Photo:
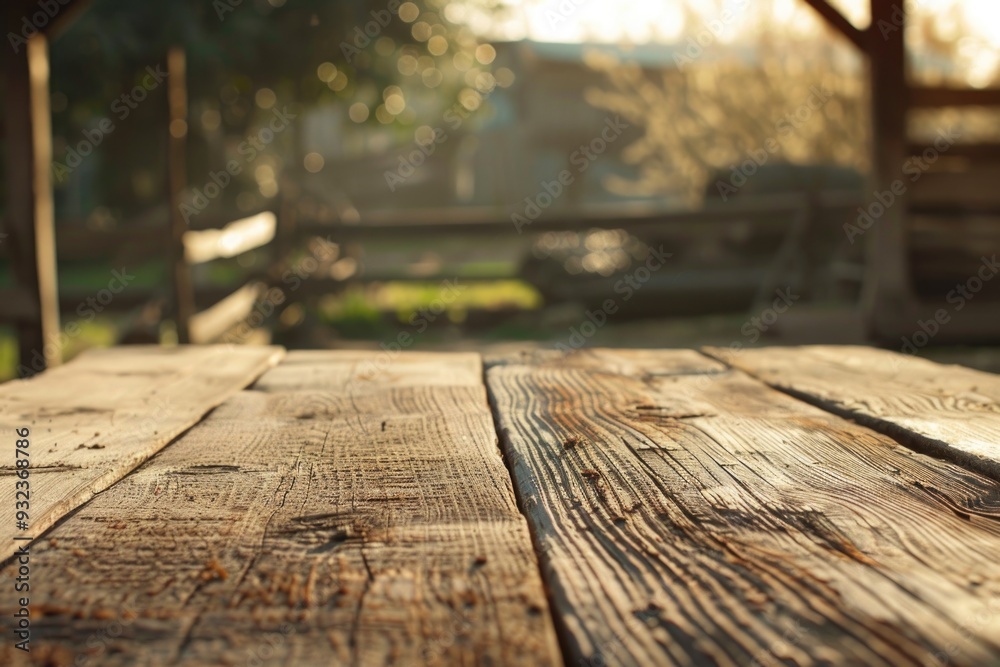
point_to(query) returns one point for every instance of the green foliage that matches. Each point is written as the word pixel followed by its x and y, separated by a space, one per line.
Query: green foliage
pixel 236 50
pixel 722 105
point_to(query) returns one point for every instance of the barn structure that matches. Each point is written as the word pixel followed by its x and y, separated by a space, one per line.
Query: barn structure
pixel 246 504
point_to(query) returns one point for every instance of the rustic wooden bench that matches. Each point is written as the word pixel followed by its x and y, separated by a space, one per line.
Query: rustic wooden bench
pixel 247 506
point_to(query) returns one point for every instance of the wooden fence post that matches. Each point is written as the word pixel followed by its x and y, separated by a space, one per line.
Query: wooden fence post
pixel 888 297
pixel 183 287
pixel 30 211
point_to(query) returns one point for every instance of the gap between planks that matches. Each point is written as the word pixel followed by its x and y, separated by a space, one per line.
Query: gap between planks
pixel 951 413
pixel 135 401
pixel 702 512
pixel 274 512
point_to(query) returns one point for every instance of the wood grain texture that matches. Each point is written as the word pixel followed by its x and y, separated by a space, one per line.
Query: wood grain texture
pixel 327 516
pixel 102 415
pixel 947 411
pixel 687 514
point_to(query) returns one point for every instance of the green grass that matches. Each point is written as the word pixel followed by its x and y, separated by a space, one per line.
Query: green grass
pixel 362 312
pixel 102 332
pixel 374 312
pixel 8 353
pixel 94 276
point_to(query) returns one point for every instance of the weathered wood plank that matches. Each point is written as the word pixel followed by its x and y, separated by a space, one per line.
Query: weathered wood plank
pixel 689 515
pixel 943 96
pixel 840 23
pixel 947 411
pixel 329 516
pixel 96 419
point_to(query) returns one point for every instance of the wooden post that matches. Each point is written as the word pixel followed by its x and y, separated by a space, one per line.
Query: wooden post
pixel 832 16
pixel 184 307
pixel 30 211
pixel 888 296
pixel 286 210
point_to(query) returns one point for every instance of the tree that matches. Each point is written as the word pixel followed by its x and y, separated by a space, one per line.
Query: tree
pixel 775 98
pixel 245 58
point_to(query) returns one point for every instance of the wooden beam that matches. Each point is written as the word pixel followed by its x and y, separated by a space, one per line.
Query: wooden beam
pixel 942 96
pixel 176 183
pixel 30 215
pixel 969 190
pixel 985 151
pixel 839 22
pixel 45 238
pixel 766 211
pixel 887 294
pixel 139 242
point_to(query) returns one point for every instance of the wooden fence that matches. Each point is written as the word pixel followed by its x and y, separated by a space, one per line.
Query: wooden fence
pixel 33 306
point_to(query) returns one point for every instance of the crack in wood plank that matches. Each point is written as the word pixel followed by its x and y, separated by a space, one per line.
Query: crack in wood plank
pixel 766 513
pixel 370 546
pixel 949 412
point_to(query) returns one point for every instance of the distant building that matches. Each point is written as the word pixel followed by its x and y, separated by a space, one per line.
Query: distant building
pixel 521 138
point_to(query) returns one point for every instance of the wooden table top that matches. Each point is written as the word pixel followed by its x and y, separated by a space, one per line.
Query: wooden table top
pixel 248 506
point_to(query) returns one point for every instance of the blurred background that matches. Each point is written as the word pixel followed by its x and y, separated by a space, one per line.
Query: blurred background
pixel 490 174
